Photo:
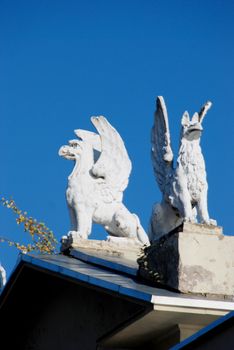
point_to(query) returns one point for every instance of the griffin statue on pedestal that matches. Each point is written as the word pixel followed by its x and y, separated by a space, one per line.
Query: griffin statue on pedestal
pixel 184 187
pixel 97 182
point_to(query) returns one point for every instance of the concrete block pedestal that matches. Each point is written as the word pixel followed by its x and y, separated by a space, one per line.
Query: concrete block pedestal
pixel 122 247
pixel 194 258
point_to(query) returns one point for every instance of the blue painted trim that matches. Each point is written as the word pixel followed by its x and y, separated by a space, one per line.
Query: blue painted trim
pixel 25 257
pixel 203 331
pixel 46 265
pixel 84 277
pixel 54 267
pixel 103 262
pixel 74 274
pixel 104 284
pixel 135 293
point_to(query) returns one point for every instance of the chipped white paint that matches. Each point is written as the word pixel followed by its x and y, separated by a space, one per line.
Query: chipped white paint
pixel 97 182
pixel 184 187
pixel 2 277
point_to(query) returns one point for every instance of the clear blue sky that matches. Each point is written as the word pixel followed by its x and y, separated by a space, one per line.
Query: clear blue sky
pixel 63 61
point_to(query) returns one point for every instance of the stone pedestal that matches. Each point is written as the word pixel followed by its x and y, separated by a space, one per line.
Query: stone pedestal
pixel 192 259
pixel 121 247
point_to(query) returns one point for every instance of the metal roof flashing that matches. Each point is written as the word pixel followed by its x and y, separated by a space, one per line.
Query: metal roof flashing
pixel 120 275
pixel 115 263
pixel 112 276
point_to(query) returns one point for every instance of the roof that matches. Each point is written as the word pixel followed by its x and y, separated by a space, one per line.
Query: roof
pixel 119 276
pixel 207 331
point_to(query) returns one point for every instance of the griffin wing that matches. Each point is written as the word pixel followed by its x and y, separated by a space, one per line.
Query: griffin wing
pixel 113 165
pixel 161 152
pixel 91 137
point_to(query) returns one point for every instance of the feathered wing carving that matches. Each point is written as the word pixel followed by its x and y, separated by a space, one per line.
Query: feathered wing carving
pixel 111 161
pixel 184 187
pixel 114 164
pixel 96 185
pixel 90 137
pixel 161 152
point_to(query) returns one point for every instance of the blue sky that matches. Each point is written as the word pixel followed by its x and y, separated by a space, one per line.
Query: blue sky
pixel 64 61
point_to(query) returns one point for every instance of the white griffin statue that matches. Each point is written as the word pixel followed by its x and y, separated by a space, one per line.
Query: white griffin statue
pixel 96 184
pixel 184 187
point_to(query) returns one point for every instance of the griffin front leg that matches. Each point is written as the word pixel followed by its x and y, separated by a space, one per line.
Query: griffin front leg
pixel 83 219
pixel 202 209
pixel 181 196
pixel 73 220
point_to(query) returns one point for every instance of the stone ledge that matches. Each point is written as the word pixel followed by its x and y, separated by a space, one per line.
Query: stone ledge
pixel 188 227
pixel 194 258
pixel 126 248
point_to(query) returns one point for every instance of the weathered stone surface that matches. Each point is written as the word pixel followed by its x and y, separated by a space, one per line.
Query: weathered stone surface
pixel 192 259
pixel 126 248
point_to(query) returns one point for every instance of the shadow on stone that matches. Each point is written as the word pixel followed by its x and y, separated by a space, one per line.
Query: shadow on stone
pixel 159 262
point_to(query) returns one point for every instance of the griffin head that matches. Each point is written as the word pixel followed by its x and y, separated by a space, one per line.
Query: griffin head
pixel 192 129
pixel 71 151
